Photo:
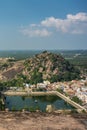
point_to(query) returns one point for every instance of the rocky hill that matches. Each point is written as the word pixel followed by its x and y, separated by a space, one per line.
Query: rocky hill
pixel 49 66
pixel 43 66
pixel 9 68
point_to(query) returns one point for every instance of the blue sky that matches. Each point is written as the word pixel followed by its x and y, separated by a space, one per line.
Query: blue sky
pixel 43 24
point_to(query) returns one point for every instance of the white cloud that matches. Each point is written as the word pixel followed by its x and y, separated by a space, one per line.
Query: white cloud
pixel 33 25
pixel 78 17
pixel 36 32
pixel 74 24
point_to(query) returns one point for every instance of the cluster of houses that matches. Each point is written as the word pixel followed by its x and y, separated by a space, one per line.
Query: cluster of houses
pixel 71 88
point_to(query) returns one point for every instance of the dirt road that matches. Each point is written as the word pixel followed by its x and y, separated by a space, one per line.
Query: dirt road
pixel 41 121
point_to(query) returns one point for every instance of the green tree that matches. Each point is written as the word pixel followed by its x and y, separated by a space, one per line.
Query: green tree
pixel 36 77
pixel 77 100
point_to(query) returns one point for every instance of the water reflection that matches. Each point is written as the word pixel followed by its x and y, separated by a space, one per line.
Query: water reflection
pixel 35 102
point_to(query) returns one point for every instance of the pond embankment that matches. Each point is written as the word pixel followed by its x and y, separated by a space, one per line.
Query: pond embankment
pixel 67 99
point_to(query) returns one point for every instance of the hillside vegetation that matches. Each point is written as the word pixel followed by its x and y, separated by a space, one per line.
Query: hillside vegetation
pixel 49 66
pixel 43 66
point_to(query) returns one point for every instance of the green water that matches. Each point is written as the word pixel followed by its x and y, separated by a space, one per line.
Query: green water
pixel 35 102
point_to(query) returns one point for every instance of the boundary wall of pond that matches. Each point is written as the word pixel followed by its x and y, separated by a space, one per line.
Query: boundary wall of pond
pixel 26 93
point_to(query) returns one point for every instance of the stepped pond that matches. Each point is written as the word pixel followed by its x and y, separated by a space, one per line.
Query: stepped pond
pixel 35 102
